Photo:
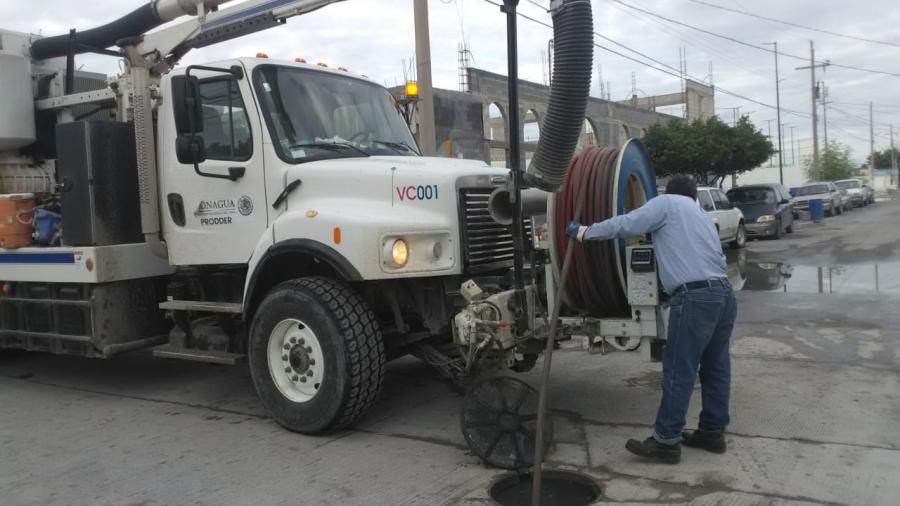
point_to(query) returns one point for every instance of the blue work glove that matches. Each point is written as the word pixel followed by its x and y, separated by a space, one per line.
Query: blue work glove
pixel 576 230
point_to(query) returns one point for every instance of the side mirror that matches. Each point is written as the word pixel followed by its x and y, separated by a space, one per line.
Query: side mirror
pixel 187 106
pixel 786 201
pixel 190 149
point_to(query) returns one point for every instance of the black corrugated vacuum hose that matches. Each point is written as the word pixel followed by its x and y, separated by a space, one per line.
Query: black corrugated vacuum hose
pixel 135 23
pixel 573 42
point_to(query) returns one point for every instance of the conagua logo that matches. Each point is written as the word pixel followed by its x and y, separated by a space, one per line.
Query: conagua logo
pixel 245 205
pixel 212 205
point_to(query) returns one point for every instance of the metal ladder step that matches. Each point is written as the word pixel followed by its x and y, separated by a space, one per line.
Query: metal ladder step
pixel 211 357
pixel 207 307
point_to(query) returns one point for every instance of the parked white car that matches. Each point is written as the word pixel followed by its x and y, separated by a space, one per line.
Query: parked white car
pixel 858 195
pixel 728 218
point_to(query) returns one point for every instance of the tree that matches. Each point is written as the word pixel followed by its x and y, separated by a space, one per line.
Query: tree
pixel 709 150
pixel 835 162
pixel 883 159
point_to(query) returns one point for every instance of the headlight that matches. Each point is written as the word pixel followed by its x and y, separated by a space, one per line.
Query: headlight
pixel 765 218
pixel 396 253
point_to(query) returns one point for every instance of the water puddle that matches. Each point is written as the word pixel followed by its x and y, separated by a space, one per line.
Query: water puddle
pixel 752 275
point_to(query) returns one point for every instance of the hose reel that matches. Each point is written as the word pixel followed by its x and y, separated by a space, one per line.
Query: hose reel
pixel 609 182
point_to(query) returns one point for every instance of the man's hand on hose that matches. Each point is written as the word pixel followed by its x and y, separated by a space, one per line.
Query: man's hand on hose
pixel 576 230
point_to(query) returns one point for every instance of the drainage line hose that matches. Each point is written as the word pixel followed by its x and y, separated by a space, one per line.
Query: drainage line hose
pixel 573 42
pixel 543 400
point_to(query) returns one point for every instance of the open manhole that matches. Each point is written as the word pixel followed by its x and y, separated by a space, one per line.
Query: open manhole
pixel 559 488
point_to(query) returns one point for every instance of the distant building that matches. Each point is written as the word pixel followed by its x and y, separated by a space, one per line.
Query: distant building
pixel 474 124
pixel 884 180
pixel 697 98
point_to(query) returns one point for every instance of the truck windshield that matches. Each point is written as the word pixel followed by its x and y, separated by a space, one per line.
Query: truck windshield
pixel 313 115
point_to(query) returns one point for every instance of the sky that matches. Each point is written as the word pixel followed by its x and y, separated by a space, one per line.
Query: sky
pixel 376 38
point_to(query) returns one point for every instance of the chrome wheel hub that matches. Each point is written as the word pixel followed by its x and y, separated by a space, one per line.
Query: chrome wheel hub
pixel 295 360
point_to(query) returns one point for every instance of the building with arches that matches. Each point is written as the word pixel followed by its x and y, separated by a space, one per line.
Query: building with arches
pixel 475 124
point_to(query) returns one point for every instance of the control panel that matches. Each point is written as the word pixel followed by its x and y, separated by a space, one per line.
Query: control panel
pixel 643 283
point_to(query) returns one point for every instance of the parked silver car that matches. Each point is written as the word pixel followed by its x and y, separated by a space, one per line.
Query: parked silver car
pixel 870 194
pixel 854 188
pixel 825 191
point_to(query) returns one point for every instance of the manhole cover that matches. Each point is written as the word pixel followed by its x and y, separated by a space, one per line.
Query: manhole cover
pixel 499 419
pixel 558 488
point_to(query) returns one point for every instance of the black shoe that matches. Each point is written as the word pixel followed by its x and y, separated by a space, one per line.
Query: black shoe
pixel 709 441
pixel 652 449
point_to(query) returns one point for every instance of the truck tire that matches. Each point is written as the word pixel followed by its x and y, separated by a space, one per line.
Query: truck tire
pixel 316 355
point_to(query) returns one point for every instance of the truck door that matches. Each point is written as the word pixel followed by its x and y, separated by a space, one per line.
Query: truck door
pixel 208 219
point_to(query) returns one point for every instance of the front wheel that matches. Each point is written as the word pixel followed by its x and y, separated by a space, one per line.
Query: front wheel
pixel 740 238
pixel 316 355
pixel 777 234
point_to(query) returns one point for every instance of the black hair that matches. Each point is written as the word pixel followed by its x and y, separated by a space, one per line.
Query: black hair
pixel 682 185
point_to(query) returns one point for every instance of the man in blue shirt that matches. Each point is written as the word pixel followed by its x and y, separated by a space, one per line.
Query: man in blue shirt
pixel 703 309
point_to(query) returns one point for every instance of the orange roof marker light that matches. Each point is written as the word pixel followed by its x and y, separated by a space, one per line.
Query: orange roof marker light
pixel 343 69
pixel 300 60
pixel 323 65
pixel 262 55
pixel 412 89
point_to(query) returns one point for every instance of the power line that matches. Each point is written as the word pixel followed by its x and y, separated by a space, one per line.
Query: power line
pixel 704 45
pixel 753 46
pixel 795 25
pixel 863 121
pixel 672 72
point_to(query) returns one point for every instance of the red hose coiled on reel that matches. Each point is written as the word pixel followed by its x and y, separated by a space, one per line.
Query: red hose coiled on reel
pixel 593 285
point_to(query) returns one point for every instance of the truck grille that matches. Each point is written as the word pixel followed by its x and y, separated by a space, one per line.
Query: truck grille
pixel 486 244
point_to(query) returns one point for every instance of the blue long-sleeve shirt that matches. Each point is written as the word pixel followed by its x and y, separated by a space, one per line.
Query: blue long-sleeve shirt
pixel 685 237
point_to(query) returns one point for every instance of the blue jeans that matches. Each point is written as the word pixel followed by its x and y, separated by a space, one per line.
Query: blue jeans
pixel 700 325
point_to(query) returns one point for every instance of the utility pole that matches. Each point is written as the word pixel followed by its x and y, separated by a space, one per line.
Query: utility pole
pixel 872 143
pixel 815 120
pixel 894 156
pixel 823 92
pixel 778 108
pixel 793 153
pixel 769 123
pixel 735 111
pixel 426 130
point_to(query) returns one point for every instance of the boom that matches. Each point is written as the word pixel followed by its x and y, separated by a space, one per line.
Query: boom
pixel 171 43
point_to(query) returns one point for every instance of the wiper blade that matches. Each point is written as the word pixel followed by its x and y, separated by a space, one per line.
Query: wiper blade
pixel 397 146
pixel 331 146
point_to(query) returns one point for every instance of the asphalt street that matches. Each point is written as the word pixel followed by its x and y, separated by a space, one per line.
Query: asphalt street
pixel 815 409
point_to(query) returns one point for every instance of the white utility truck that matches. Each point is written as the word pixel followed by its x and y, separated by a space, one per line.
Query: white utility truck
pixel 260 210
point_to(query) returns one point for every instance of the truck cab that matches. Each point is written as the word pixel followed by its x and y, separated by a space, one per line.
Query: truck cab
pixel 297 152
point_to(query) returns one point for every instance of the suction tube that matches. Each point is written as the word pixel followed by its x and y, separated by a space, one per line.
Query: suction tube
pixel 134 23
pixel 137 22
pixel 573 41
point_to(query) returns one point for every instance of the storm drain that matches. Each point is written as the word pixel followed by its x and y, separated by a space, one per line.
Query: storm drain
pixel 559 488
